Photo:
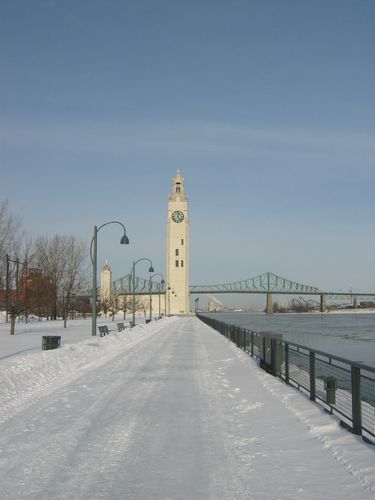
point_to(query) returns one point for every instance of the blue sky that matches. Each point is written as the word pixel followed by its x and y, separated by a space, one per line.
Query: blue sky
pixel 267 107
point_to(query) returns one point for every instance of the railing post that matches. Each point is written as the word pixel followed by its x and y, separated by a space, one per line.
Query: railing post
pixel 273 356
pixel 252 343
pixel 263 356
pixel 286 353
pixel 244 339
pixel 356 400
pixel 312 376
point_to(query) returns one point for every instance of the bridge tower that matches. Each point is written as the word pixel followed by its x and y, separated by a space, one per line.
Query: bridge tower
pixel 178 249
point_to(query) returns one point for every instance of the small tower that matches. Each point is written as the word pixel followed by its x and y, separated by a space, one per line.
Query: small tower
pixel 178 249
pixel 105 282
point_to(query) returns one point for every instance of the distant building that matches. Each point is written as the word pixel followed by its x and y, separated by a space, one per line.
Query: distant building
pixel 215 306
pixel 105 282
pixel 30 294
pixel 367 303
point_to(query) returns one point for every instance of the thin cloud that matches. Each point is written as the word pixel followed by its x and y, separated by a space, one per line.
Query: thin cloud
pixel 190 137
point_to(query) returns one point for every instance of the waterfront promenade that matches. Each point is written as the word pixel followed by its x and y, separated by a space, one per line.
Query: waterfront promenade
pixel 169 410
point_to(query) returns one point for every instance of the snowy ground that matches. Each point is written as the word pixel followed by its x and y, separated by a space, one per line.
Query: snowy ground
pixel 28 337
pixel 169 410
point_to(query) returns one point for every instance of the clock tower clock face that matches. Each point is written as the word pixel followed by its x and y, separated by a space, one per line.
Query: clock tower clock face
pixel 177 216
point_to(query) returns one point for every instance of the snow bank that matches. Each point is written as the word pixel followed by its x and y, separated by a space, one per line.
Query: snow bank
pixel 24 379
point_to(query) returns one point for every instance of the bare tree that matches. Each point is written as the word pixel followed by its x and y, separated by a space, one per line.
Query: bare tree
pixel 103 306
pixel 127 305
pixel 49 256
pixel 15 256
pixel 62 259
pixel 114 303
pixel 74 276
pixel 10 236
pixel 39 294
pixel 15 301
pixel 124 303
pixel 10 231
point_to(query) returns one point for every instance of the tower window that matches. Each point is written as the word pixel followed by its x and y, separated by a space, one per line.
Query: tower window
pixel 176 252
pixel 182 242
pixel 182 263
pixel 178 189
pixel 177 262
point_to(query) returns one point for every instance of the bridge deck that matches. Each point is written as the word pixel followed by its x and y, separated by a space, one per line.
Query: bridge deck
pixel 178 412
pixel 263 283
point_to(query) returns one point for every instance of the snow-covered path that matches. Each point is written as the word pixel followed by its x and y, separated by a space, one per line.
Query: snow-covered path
pixel 179 413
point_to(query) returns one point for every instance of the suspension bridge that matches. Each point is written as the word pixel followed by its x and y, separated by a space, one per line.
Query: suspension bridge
pixel 267 283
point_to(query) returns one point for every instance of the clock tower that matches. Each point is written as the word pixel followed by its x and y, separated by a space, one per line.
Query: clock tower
pixel 178 249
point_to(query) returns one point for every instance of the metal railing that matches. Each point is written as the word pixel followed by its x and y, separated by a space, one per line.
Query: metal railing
pixel 342 386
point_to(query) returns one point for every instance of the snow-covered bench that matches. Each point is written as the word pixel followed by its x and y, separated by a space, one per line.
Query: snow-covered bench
pixel 103 330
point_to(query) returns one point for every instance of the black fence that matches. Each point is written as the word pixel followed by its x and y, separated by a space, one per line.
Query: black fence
pixel 342 386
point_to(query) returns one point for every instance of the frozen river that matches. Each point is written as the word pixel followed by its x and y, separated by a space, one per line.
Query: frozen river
pixel 349 335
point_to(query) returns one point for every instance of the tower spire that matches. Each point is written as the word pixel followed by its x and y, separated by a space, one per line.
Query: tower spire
pixel 178 188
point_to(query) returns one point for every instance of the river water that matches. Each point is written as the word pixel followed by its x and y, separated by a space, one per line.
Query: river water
pixel 348 335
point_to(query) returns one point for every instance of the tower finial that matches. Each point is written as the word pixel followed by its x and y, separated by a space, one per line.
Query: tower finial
pixel 178 187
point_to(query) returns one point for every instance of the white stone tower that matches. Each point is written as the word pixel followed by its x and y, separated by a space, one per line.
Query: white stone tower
pixel 178 249
pixel 105 282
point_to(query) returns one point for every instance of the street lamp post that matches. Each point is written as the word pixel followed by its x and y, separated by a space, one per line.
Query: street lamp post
pixel 94 259
pixel 162 283
pixel 169 307
pixel 196 305
pixel 151 270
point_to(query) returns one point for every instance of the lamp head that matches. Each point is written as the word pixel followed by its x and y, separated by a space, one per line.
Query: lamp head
pixel 124 240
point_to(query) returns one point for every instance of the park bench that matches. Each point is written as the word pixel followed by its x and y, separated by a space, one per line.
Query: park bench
pixel 103 330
